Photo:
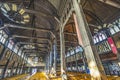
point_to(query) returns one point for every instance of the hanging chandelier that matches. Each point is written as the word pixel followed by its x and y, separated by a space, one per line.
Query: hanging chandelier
pixel 29 46
pixel 15 13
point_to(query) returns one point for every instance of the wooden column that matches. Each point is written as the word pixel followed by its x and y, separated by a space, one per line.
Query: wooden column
pixel 6 65
pixel 48 63
pixel 23 68
pixel 2 51
pixel 85 39
pixel 70 60
pixel 20 69
pixel 11 72
pixel 17 68
pixel 62 53
pixel 50 68
pixel 55 52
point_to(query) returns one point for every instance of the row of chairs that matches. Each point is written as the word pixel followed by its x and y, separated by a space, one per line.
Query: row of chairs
pixel 81 76
pixel 71 76
pixel 18 77
pixel 78 76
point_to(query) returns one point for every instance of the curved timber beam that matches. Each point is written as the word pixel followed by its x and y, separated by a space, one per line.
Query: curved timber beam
pixel 26 51
pixel 30 43
pixel 36 50
pixel 19 43
pixel 28 28
pixel 111 3
pixel 26 37
pixel 38 13
pixel 68 41
pixel 39 48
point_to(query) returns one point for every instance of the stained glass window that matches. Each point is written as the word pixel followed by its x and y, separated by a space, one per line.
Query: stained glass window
pixel 15 49
pixel 3 36
pixel 10 44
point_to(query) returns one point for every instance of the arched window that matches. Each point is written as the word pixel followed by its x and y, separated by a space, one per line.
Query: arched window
pixel 94 39
pixel 10 44
pixel 112 31
pixel 3 36
pixel 20 52
pixel 16 49
pixel 103 36
pixel 100 36
pixel 116 28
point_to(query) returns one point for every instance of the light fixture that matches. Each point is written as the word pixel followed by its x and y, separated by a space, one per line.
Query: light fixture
pixel 29 46
pixel 15 13
pixel 14 7
pixel 7 7
pixel 26 16
pixel 26 20
pixel 22 11
pixel 22 22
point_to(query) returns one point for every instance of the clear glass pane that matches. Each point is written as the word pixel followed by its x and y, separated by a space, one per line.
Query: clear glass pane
pixel 112 31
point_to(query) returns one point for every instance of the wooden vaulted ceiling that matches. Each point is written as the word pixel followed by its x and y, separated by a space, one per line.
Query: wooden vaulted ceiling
pixel 38 31
pixel 42 22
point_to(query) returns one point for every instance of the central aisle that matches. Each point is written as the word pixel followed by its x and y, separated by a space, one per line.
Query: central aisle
pixel 38 76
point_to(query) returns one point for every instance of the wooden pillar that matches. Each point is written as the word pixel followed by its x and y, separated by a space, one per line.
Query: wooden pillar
pixel 6 66
pixel 4 49
pixel 2 52
pixel 11 72
pixel 18 64
pixel 22 63
pixel 85 39
pixel 50 66
pixel 71 66
pixel 62 53
pixel 22 68
pixel 55 52
pixel 17 67
pixel 48 63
